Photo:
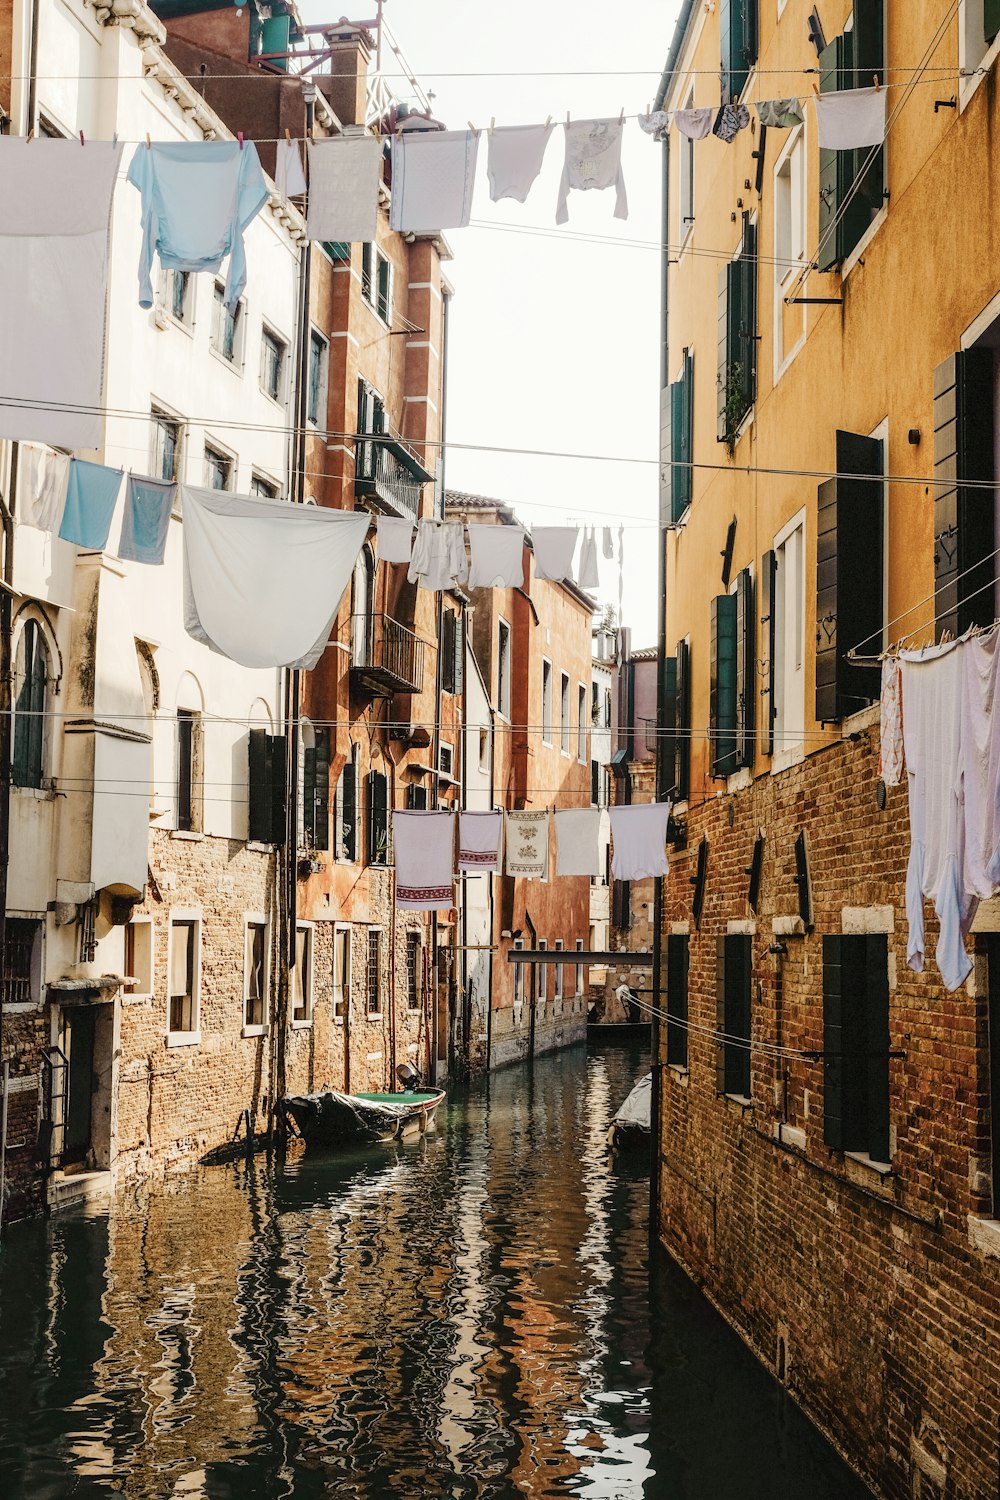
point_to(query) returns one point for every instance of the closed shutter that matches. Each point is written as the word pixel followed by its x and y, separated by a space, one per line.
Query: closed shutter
pixel 876 964
pixel 338 250
pixel 720 1014
pixel 448 651
pixel 416 797
pixel 722 686
pixel 738 32
pixel 29 710
pixel 735 367
pixel 684 442
pixel 826 602
pixel 267 792
pixel 378 824
pixel 964 533
pixel 991 19
pixel 864 58
pixel 318 824
pixel 459 654
pixel 747 272
pixel 835 167
pixel 734 958
pixel 677 999
pixel 746 668
pixel 833 1043
pixel 308 793
pixel 349 810
pixel 849 584
pixel 856 1043
pixel 666 740
pixel 768 595
pixel 621 904
pixel 722 355
pixel 682 761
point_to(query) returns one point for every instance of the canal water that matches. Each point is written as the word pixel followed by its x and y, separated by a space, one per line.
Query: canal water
pixel 467 1316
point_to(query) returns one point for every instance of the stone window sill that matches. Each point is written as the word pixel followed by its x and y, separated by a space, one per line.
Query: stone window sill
pixel 984 1235
pixel 303 1025
pixel 739 1099
pixel 192 835
pixel 127 999
pixel 879 1170
pixel 250 1031
pixel 184 1038
pixel 790 1135
pixel 681 1072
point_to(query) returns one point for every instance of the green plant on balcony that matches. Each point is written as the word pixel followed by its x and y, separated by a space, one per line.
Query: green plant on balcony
pixel 735 407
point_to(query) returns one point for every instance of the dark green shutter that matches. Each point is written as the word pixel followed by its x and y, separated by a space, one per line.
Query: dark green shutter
pixel 734 956
pixel 852 181
pixel 308 793
pixel 29 710
pixel 682 761
pixel 447 648
pixel 964 533
pixel 666 456
pixel 827 700
pixel 459 654
pixel 337 249
pixel 727 62
pixel 416 797
pixel 667 737
pixel 849 583
pixel 876 962
pixel 677 439
pixel 738 34
pixel 378 819
pixel 746 668
pixel 722 355
pixel 677 999
pixel 384 272
pixel 856 1043
pixel 735 370
pixel 833 1043
pixel 349 810
pixel 720 1014
pixel 722 686
pixel 768 597
pixel 259 813
pixel 318 809
pixel 991 19
pixel 745 337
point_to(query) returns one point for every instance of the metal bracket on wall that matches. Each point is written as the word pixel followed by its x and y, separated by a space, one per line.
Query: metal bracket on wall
pixel 816 301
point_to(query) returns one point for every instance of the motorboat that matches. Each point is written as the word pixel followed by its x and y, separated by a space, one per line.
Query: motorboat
pixel 329 1118
pixel 629 1129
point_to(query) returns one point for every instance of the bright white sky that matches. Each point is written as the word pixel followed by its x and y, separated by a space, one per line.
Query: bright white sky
pixel 554 339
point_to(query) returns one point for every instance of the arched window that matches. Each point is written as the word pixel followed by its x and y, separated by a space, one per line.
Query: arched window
pixel 31 672
pixel 362 601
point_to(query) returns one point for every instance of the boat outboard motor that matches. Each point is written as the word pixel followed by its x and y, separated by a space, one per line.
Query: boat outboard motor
pixel 408 1077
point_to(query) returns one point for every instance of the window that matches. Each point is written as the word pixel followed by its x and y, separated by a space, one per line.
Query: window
pixel 733 976
pixel 227 327
pixel 565 724
pixel 266 489
pixel 218 469
pixel 856 1043
pixel 732 682
pixel 519 976
pixel 737 340
pixel 254 975
pixel 446 761
pixel 579 968
pixel 374 970
pixel 367 272
pixel 675 740
pixel 560 973
pixel 341 973
pixel 180 289
pixel 378 818
pixel 376 281
pixel 139 957
pixel 686 195
pixel 273 352
pixel 362 621
pixel 31 677
pixel 266 787
pixel 581 724
pixel 676 445
pixel 964 526
pixel 316 789
pixel 595 783
pixel 302 976
pixel 345 811
pixel 677 999
pixel 188 755
pixel 980 26
pixel 546 702
pixel 371 418
pixel 783 644
pixel 543 972
pixel 416 798
pixel 319 353
pixel 484 750
pixel 165 443
pixel 452 651
pixel 789 209
pixel 22 962
pixel 414 970
pixel 503 669
pixel 849 581
pixel 738 24
pixel 851 183
pixel 183 981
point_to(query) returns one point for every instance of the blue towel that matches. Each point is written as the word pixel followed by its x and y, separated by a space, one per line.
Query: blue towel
pixel 148 503
pixel 90 504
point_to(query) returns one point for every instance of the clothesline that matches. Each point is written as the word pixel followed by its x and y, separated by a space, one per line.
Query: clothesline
pixel 949 584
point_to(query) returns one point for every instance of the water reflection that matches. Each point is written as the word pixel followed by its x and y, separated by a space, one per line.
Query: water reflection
pixel 466 1316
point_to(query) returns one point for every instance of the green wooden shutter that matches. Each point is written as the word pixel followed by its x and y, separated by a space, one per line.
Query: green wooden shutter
pixel 681 447
pixel 876 963
pixel 320 824
pixel 447 648
pixel 726 59
pixel 748 312
pixel 849 583
pixel 308 793
pixel 768 597
pixel 746 668
pixel 855 1043
pixel 735 367
pixel 722 354
pixel 267 793
pixel 667 725
pixel 29 710
pixel 677 998
pixel 827 703
pixel 734 953
pixel 833 1043
pixel 831 167
pixel 722 685
pixel 738 36
pixel 964 533
pixel 721 1029
pixel 459 654
pixel 378 820
pixel 865 59
pixel 991 19
pixel 349 810
pixel 666 456
pixel 682 761
pixel 278 771
pixel 338 250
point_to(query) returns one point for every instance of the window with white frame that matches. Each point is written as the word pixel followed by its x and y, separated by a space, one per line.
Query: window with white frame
pixel 446 760
pixel 218 469
pixel 543 972
pixel 484 749
pixel 546 702
pixel 21 978
pixel 790 208
pixel 518 976
pixel 263 487
pixel 686 166
pixel 138 957
pixel 579 968
pixel 581 724
pixel 184 976
pixel 273 356
pixel 376 281
pixel 227 327
pixel 565 725
pixel 319 359
pixel 341 973
pixel 979 30
pixel 255 974
pixel 189 762
pixel 789 638
pixel 558 988
pixel 179 290
pixel 164 445
pixel 302 975
pixel 503 669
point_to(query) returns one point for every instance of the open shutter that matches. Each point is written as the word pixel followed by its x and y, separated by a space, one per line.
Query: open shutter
pixel 746 668
pixel 876 964
pixel 308 793
pixel 736 371
pixel 677 998
pixel 738 34
pixel 447 648
pixel 722 354
pixel 726 60
pixel 699 881
pixel 666 456
pixel 722 686
pixel 747 266
pixel 378 820
pixel 833 1043
pixel 459 654
pixel 991 19
pixel 666 742
pixel 864 58
pixel 826 601
pixel 831 168
pixel 685 446
pixel 849 598
pixel 319 826
pixel 349 805
pixel 768 596
pixel 259 816
pixel 721 1051
pixel 682 741
pixel 964 534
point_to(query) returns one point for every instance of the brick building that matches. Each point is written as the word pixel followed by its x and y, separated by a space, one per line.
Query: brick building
pixel 827 1164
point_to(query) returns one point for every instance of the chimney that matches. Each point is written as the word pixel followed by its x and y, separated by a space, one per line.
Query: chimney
pixel 345 87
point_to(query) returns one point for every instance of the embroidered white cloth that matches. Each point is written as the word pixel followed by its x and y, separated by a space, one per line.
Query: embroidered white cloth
pixel 289 178
pixel 497 554
pixel 344 173
pixel 424 848
pixel 587 575
pixel 438 560
pixel 43 485
pixel 593 160
pixel 395 540
pixel 528 844
pixel 639 840
pixel 891 724
pixel 849 118
pixel 514 155
pixel 433 173
pixel 554 547
pixel 578 841
pixel 479 838
pixel 694 123
pixel 263 579
pixel 53 283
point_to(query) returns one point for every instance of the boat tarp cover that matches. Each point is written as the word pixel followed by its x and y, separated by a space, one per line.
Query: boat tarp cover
pixel 634 1113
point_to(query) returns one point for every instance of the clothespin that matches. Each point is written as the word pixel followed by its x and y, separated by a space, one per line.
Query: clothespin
pixel 472 127
pixel 288 135
pixel 876 83
pixel 815 88
pixel 239 137
pixel 493 123
pixel 548 122
pixel 148 144
pixel 567 119
pixel 81 138
pixel 621 117
pixel 30 135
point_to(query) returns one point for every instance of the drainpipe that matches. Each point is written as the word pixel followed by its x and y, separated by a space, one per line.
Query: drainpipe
pixel 532 985
pixel 463 742
pixel 445 300
pixel 6 704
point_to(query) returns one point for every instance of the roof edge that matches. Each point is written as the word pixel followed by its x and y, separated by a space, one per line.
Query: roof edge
pixel 673 56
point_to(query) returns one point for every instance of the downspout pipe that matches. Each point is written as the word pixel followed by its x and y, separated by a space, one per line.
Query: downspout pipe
pixel 445 299
pixel 7 508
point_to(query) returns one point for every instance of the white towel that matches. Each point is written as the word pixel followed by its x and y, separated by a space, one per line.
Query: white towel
pixel 514 159
pixel 639 835
pixel 578 841
pixel 593 160
pixel 479 836
pixel 424 848
pixel 44 482
pixel 528 844
pixel 433 172
pixel 497 557
pixel 554 547
pixel 587 576
pixel 849 118
pixel 343 188
pixel 289 178
pixel 438 560
pixel 395 540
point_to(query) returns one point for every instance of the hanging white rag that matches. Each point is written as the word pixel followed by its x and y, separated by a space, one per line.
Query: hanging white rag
pixel 639 840
pixel 395 540
pixel 42 487
pixel 849 118
pixel 891 724
pixel 438 560
pixel 424 850
pixel 578 841
pixel 980 658
pixel 554 547
pixel 433 173
pixel 655 124
pixel 263 579
pixel 528 844
pixel 593 160
pixel 609 545
pixel 588 576
pixel 514 159
pixel 497 557
pixel 694 123
pixel 344 173
pixel 289 178
pixel 479 839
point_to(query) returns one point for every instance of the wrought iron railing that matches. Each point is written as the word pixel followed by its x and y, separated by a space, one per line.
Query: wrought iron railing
pixel 386 653
pixel 386 468
pixel 652 737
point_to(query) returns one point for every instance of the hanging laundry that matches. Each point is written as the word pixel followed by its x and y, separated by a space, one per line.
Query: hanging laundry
pixel 289 178
pixel 578 841
pixel 528 844
pixel 655 124
pixel 497 554
pixel 980 665
pixel 42 486
pixel 54 233
pixel 344 174
pixel 146 521
pixel 438 560
pixel 263 579
pixel 588 576
pixel 608 547
pixel 593 160
pixel 395 539
pixel 90 503
pixel 891 724
pixel 433 173
pixel 554 547
pixel 849 118
pixel 639 839
pixel 424 848
pixel 932 734
pixel 694 123
pixel 514 159
pixel 781 114
pixel 197 199
pixel 731 119
pixel 479 840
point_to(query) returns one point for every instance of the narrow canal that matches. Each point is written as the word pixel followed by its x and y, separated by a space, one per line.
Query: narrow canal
pixel 469 1316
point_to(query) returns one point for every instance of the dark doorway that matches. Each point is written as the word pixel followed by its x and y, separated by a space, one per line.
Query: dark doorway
pixel 80 1049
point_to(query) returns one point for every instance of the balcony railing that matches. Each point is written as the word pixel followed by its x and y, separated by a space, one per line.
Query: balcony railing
pixel 652 739
pixel 388 471
pixel 386 658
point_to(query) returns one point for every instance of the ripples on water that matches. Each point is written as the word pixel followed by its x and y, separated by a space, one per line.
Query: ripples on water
pixel 468 1316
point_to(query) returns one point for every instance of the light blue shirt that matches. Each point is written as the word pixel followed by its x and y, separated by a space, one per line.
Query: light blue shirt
pixel 148 503
pixel 90 504
pixel 197 199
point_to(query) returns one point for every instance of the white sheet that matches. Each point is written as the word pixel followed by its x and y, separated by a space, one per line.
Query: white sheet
pixel 433 173
pixel 639 838
pixel 578 834
pixel 343 188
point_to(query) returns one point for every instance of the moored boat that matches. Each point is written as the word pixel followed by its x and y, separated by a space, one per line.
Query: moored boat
pixel 630 1126
pixel 329 1118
